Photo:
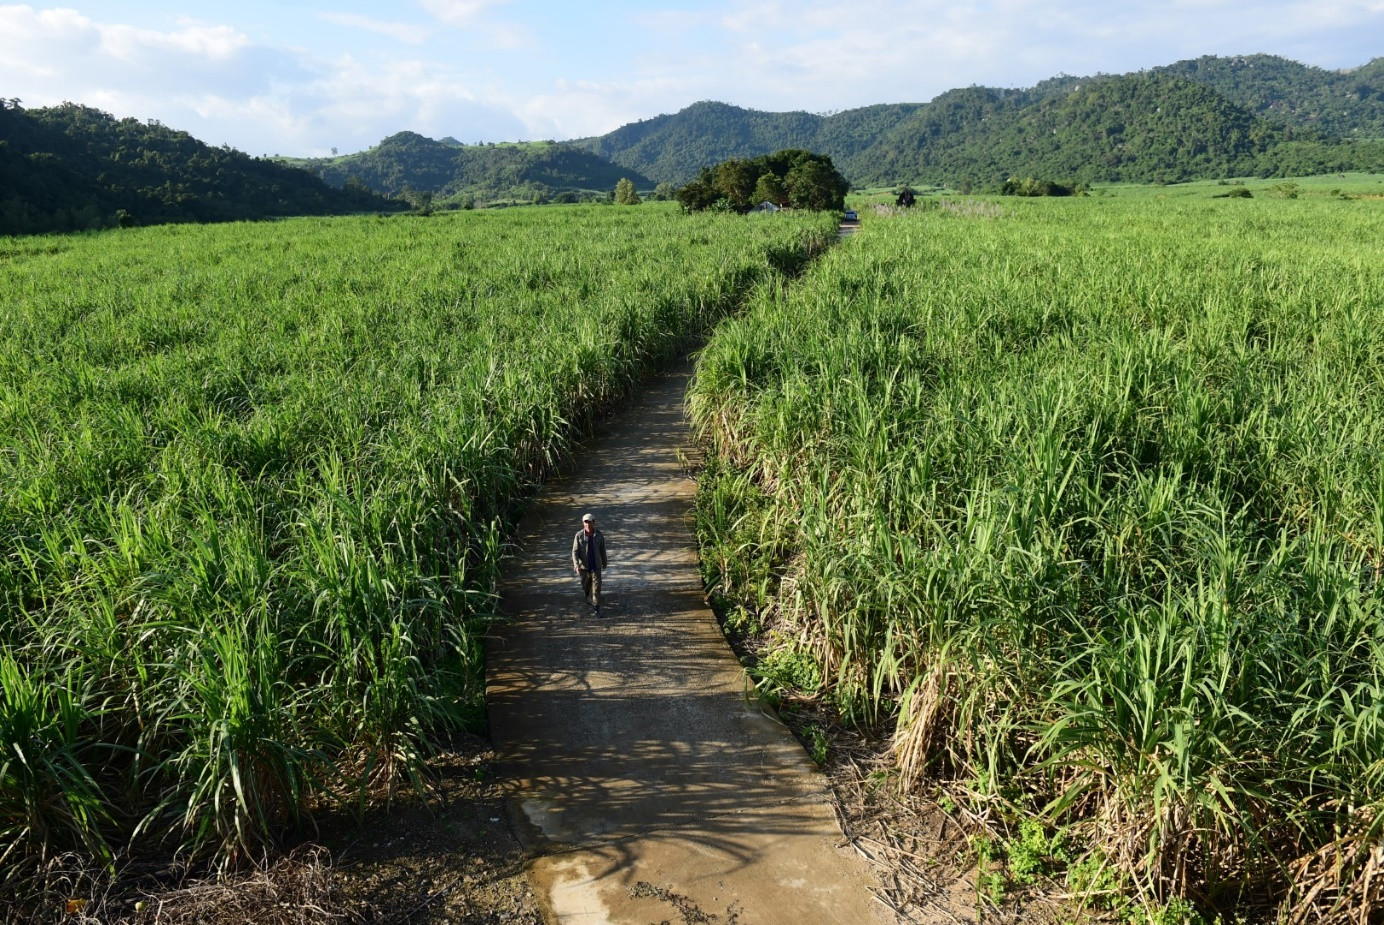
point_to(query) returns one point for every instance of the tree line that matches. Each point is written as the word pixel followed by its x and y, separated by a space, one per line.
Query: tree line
pixel 71 168
pixel 794 178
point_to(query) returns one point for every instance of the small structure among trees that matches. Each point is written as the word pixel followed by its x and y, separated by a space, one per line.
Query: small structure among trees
pixel 789 178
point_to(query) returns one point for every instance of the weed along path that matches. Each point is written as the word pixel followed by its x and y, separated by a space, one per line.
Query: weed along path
pixel 647 786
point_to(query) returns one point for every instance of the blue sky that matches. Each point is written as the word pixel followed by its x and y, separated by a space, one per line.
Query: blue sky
pixel 303 77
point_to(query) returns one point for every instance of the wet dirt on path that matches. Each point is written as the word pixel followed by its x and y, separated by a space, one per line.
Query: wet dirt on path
pixel 646 786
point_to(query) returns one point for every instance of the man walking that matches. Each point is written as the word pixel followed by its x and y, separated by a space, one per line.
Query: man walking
pixel 589 560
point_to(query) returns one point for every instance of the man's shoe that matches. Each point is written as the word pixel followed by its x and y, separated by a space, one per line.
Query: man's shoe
pixel 598 611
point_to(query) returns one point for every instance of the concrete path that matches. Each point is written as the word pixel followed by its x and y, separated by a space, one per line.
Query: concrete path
pixel 647 787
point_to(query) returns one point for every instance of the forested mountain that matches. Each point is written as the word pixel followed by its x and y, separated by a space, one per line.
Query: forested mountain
pixel 1142 127
pixel 72 167
pixel 1345 104
pixel 450 170
pixel 1206 118
pixel 1145 127
pixel 675 147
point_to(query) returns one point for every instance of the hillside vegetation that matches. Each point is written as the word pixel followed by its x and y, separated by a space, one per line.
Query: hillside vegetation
pixel 1081 499
pixel 1141 128
pixel 1209 118
pixel 452 171
pixel 71 167
pixel 1345 104
pixel 673 148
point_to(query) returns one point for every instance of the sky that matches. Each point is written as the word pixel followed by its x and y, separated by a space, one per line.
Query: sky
pixel 303 77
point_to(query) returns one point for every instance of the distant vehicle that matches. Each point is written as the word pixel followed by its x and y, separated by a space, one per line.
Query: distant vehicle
pixel 850 216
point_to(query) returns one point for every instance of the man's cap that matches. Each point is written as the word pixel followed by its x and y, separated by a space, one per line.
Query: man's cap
pixel 588 517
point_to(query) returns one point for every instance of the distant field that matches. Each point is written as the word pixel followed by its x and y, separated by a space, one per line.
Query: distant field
pixel 1331 186
pixel 256 486
pixel 1084 499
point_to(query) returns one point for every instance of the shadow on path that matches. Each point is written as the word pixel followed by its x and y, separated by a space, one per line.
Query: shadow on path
pixel 646 784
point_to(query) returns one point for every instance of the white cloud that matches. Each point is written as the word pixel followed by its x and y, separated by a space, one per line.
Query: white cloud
pixel 469 15
pixel 402 32
pixel 355 102
pixel 32 43
pixel 671 21
pixel 826 55
pixel 423 96
pixel 505 36
pixel 217 84
pixel 64 55
pixel 578 108
pixel 459 12
pixel 558 72
pixel 823 55
pixel 215 43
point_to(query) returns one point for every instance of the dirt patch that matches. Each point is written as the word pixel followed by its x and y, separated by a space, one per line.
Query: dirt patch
pixel 448 855
pixel 921 852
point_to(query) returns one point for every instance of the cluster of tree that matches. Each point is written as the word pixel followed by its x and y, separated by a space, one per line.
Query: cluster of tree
pixel 791 177
pixel 625 193
pixel 70 168
pixel 1028 186
pixel 1208 118
pixel 455 174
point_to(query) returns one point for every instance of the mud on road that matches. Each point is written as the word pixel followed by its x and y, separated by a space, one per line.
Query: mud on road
pixel 641 777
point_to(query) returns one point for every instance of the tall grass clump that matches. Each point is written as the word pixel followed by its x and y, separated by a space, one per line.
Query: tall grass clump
pixel 1085 501
pixel 256 483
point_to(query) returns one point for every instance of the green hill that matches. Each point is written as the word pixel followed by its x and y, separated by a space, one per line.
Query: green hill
pixel 1344 104
pixel 451 170
pixel 1138 128
pixel 1147 127
pixel 675 147
pixel 1214 117
pixel 72 167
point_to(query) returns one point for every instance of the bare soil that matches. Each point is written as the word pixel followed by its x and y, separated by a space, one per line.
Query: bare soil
pixel 446 855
